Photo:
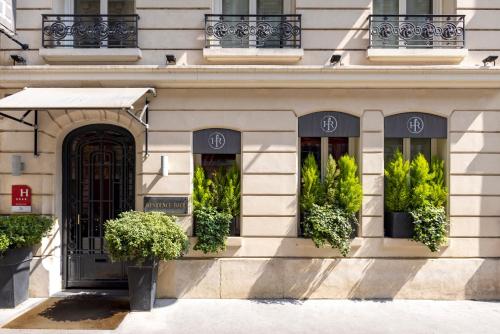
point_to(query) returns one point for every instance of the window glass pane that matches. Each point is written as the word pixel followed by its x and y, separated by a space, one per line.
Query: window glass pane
pixel 235 7
pixel 386 7
pixel 421 145
pixel 87 7
pixel 391 146
pixel 418 7
pixel 269 7
pixel 213 162
pixel 121 7
pixel 310 145
pixel 338 147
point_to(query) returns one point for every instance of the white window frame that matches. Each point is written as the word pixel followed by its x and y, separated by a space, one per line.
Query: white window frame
pixel 288 6
pixel 69 6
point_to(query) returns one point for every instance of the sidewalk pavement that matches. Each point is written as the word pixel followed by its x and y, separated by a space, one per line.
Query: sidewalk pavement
pixel 290 316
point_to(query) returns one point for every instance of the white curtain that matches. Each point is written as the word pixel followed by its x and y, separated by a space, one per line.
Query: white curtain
pixel 235 7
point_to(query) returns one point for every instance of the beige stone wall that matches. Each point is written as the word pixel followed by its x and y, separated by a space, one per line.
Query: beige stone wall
pixel 268 120
pixel 177 27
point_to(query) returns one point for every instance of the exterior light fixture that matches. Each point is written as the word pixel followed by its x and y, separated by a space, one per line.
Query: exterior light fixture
pixel 335 59
pixel 17 165
pixel 16 59
pixel 164 165
pixel 171 60
pixel 489 60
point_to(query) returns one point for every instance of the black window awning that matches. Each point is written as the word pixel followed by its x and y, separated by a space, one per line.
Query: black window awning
pixel 328 124
pixel 415 125
pixel 33 100
pixel 216 141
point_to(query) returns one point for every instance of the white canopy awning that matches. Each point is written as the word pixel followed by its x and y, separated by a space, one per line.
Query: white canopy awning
pixel 74 98
pixel 32 100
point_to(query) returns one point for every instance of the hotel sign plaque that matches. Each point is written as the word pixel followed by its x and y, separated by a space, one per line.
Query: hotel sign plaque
pixel 169 205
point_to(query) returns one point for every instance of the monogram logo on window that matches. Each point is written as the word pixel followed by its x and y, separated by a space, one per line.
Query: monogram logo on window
pixel 216 141
pixel 329 124
pixel 415 125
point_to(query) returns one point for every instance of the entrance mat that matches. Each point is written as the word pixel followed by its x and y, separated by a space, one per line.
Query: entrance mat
pixel 75 312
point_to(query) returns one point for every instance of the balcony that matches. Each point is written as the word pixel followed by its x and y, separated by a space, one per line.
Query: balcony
pixel 253 38
pixel 417 38
pixel 90 38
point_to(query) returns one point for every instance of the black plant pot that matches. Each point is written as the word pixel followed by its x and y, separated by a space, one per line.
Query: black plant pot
pixel 399 225
pixel 14 276
pixel 142 285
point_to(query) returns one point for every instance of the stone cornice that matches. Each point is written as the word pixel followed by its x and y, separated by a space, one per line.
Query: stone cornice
pixel 240 76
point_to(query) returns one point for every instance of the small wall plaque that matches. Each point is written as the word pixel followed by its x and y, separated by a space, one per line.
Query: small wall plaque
pixel 170 205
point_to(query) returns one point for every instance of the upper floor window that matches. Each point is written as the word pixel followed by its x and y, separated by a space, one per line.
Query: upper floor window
pixel 403 7
pixel 102 7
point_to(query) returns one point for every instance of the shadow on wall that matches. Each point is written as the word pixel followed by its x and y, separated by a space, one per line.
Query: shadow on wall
pixel 485 283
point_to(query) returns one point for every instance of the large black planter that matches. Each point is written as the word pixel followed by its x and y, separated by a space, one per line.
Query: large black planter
pixel 14 276
pixel 399 225
pixel 142 285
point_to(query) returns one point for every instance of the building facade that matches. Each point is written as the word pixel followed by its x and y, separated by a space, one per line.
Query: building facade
pixel 275 79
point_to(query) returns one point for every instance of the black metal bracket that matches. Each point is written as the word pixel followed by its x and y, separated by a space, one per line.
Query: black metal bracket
pixel 34 125
pixel 22 45
pixel 143 119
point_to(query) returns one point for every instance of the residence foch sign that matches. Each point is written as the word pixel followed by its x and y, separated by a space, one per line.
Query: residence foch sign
pixel 21 198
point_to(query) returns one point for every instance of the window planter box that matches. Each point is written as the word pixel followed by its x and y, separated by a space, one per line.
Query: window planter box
pixel 398 225
pixel 14 276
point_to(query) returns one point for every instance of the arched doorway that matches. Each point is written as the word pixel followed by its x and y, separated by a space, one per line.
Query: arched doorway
pixel 98 184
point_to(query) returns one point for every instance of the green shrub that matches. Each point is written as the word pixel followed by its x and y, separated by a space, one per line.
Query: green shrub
pixel 328 225
pixel 231 193
pixel 430 226
pixel 212 229
pixel 397 186
pixel 420 178
pixel 350 192
pixel 4 243
pixel 23 230
pixel 202 194
pixel 439 192
pixel 139 236
pixel 311 184
pixel 330 183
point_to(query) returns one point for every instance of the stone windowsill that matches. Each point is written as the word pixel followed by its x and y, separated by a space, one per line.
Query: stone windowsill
pixel 412 56
pixel 232 242
pixel 90 55
pixel 407 243
pixel 252 55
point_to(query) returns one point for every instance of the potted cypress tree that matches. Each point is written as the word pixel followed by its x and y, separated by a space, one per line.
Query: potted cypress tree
pixel 18 235
pixel 143 239
pixel 398 221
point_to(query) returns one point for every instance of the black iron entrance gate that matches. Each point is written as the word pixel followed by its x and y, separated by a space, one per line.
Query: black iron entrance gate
pixel 98 184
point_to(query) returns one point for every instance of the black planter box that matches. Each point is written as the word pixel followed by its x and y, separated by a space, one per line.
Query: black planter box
pixel 14 276
pixel 399 225
pixel 142 285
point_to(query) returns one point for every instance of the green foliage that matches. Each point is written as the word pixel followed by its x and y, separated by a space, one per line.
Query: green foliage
pixel 139 236
pixel 430 226
pixel 420 178
pixel 202 195
pixel 328 225
pixel 350 192
pixel 230 201
pixel 18 231
pixel 397 187
pixel 212 229
pixel 311 184
pixel 330 183
pixel 439 192
pixel 4 243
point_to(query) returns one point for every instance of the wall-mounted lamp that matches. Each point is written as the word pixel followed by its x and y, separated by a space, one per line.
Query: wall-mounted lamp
pixel 17 165
pixel 489 60
pixel 16 59
pixel 171 60
pixel 335 59
pixel 164 165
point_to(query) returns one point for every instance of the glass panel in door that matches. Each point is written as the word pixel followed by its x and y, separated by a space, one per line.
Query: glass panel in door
pixel 237 27
pixel 387 27
pixel 87 20
pixel 421 145
pixel 422 26
pixel 121 24
pixel 269 28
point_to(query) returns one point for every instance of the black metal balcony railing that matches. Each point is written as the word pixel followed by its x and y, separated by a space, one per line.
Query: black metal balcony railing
pixel 89 31
pixel 417 31
pixel 246 31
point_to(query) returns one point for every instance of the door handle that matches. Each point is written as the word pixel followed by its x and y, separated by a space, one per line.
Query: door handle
pixel 78 219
